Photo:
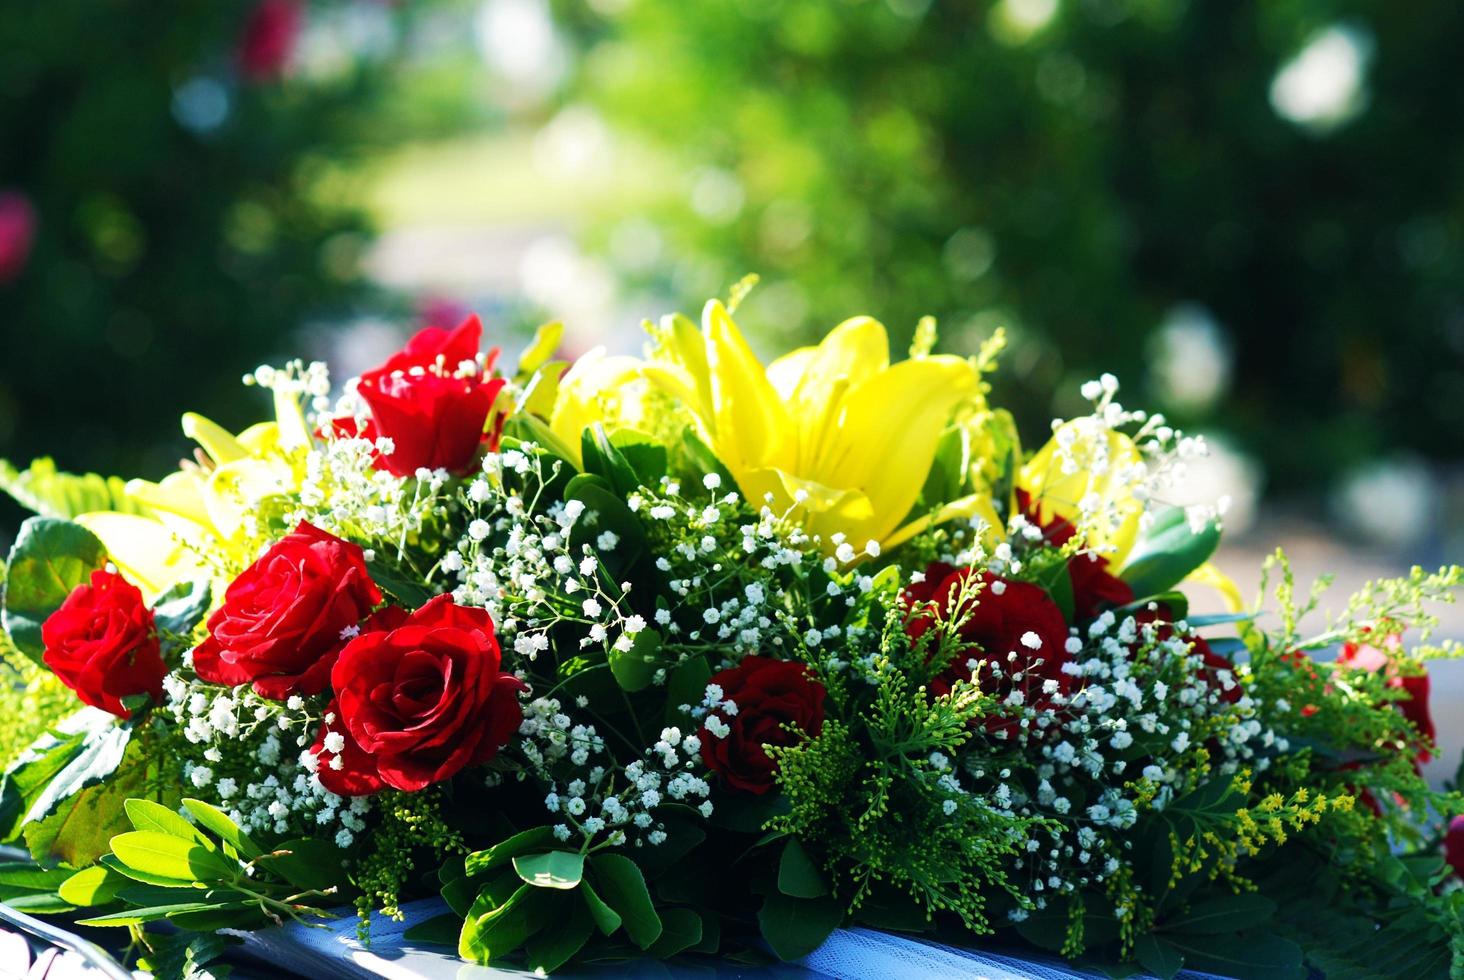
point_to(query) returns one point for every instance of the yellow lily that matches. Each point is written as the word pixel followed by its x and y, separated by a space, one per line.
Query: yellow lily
pixel 1083 461
pixel 199 512
pixel 835 430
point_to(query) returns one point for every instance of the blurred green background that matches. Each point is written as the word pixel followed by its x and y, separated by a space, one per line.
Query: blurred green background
pixel 1253 213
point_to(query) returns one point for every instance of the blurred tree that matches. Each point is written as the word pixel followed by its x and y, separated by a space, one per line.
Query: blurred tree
pixel 171 207
pixel 1276 183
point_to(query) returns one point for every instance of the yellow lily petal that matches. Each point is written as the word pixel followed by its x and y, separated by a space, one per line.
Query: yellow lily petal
pixel 1058 492
pixel 292 432
pixel 750 421
pixel 586 394
pixel 973 505
pixel 177 493
pixel 144 551
pixel 887 435
pixel 220 445
pixel 1209 574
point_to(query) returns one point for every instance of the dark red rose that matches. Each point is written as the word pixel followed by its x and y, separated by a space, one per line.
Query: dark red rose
pixel 997 621
pixel 286 617
pixel 1376 659
pixel 103 645
pixel 418 702
pixel 1454 845
pixel 269 39
pixel 17 229
pixel 778 703
pixel 434 413
pixel 1095 588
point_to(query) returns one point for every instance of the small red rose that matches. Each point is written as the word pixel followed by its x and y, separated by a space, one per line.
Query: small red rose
pixel 1014 636
pixel 417 702
pixel 777 702
pixel 103 644
pixel 286 617
pixel 433 401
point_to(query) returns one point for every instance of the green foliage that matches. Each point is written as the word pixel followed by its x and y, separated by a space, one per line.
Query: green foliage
pixel 188 218
pixel 50 558
pixel 1075 181
pixel 197 879
pixel 46 491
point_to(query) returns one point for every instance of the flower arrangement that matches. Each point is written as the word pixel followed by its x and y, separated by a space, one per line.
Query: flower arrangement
pixel 685 654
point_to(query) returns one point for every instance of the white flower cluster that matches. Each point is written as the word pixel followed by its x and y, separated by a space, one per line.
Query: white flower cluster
pixel 1139 691
pixel 254 762
pixel 591 799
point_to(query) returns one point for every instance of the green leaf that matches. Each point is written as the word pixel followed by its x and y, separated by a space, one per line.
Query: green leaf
pixel 1242 957
pixel 177 612
pixel 440 930
pixel 551 869
pixel 48 492
pixel 795 927
pixel 686 683
pixel 1225 913
pixel 135 917
pixel 218 822
pixel 682 930
pixel 605 510
pixel 39 903
pixel 404 587
pixel 171 857
pixel 524 841
pixel 1167 552
pixel 634 669
pixel 38 765
pixel 1158 956
pixel 18 876
pixel 645 454
pixel 1058 584
pixel 623 887
pixel 553 946
pixel 798 876
pixel 102 751
pixel 50 558
pixel 96 885
pixel 607 920
pixel 498 930
pixel 308 863
pixel 111 862
pixel 147 815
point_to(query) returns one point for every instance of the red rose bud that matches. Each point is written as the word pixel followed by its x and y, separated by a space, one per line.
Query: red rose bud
pixel 269 39
pixel 103 645
pixel 777 703
pixel 286 617
pixel 417 703
pixel 1454 845
pixel 434 413
pixel 17 230
pixel 1009 628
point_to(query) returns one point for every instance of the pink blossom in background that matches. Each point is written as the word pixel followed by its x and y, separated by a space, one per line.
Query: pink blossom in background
pixel 440 311
pixel 17 230
pixel 269 39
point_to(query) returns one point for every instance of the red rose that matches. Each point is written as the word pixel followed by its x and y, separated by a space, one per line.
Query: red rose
pixel 418 702
pixel 17 229
pixel 777 703
pixel 269 39
pixel 286 617
pixel 1374 659
pixel 103 645
pixel 1000 624
pixel 434 414
pixel 1095 588
pixel 1454 845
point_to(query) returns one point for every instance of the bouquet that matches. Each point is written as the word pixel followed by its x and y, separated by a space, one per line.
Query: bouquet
pixel 685 654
